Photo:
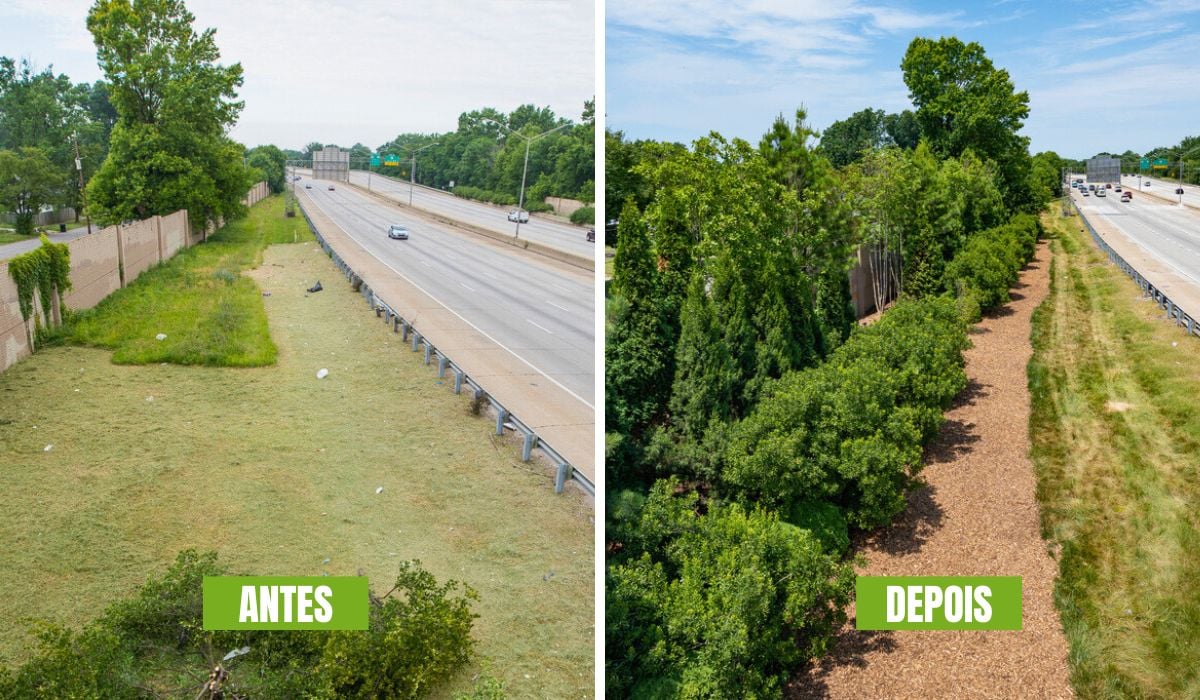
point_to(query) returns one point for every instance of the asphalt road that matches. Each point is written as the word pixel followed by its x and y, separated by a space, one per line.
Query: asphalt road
pixel 540 310
pixel 565 237
pixel 1168 232
pixel 11 250
pixel 1163 188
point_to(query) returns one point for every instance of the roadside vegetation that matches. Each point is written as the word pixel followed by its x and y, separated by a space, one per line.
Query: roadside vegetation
pixel 209 312
pixel 1116 444
pixel 753 426
pixel 278 472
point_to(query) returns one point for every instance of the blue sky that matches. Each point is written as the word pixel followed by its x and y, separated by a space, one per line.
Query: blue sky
pixel 1101 76
pixel 340 71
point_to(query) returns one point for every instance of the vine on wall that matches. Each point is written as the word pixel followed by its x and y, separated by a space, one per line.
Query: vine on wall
pixel 48 271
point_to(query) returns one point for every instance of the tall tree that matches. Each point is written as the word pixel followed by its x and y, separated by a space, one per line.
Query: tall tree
pixel 174 102
pixel 964 102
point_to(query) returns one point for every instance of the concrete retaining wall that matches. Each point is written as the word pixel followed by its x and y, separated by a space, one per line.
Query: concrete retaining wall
pixel 13 343
pixel 139 247
pixel 173 233
pixel 94 269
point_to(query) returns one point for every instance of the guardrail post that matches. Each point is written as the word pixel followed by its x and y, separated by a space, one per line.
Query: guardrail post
pixel 395 324
pixel 560 479
pixel 427 350
pixel 458 376
pixel 527 448
pixel 501 414
pixel 416 340
pixel 441 366
pixel 406 328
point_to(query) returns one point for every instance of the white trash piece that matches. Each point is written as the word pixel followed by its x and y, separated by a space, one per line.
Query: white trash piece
pixel 379 490
pixel 322 373
pixel 47 448
pixel 161 336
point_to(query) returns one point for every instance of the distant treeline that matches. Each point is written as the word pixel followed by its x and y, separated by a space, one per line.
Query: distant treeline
pixel 483 157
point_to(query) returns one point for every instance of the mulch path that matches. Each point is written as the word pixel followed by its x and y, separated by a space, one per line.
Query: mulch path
pixel 976 515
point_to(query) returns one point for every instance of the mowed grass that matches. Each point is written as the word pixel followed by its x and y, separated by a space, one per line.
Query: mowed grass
pixel 11 237
pixel 1116 444
pixel 278 471
pixel 209 312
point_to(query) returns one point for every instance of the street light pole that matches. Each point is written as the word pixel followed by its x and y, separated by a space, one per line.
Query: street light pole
pixel 524 173
pixel 82 189
pixel 412 171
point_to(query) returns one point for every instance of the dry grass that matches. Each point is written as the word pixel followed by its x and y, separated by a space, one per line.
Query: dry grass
pixel 1116 432
pixel 278 471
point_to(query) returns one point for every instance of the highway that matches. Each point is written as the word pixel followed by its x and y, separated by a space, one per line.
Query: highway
pixel 565 237
pixel 1168 232
pixel 540 310
pixel 1163 188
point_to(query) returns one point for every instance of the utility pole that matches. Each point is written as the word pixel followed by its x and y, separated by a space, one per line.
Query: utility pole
pixel 82 191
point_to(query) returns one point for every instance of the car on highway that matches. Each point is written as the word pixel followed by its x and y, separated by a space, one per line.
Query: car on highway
pixel 1126 196
pixel 308 187
pixel 331 188
pixel 397 232
pixel 1100 192
pixel 519 215
pixel 1117 188
pixel 1178 190
pixel 591 235
pixel 1108 185
pixel 1086 193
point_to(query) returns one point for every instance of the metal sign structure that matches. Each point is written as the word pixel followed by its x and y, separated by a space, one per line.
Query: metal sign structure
pixel 1104 170
pixel 331 163
pixel 391 159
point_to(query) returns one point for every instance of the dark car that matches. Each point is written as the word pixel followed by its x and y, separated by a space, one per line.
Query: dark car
pixel 331 188
pixel 1178 190
pixel 591 235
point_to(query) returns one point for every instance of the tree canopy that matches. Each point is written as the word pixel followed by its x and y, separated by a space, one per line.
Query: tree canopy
pixel 174 102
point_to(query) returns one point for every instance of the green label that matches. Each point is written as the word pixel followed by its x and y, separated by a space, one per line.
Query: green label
pixel 938 602
pixel 285 602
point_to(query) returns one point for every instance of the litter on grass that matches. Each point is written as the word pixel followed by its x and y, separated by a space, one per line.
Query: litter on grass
pixel 322 373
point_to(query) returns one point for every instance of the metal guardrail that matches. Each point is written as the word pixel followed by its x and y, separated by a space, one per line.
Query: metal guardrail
pixel 1173 310
pixel 504 417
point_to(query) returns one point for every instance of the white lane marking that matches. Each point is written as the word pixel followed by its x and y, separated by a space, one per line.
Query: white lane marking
pixel 557 306
pixel 541 327
pixel 469 289
pixel 479 330
pixel 422 262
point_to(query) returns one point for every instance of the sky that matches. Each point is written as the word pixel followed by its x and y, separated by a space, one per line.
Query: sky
pixel 1101 76
pixel 346 71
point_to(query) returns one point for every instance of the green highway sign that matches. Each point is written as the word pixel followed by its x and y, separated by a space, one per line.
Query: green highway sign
pixel 391 159
pixel 375 160
pixel 1145 164
pixel 1160 163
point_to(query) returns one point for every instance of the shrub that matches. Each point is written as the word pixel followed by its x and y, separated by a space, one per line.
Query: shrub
pixel 726 607
pixel 419 634
pixel 990 261
pixel 584 216
pixel 850 432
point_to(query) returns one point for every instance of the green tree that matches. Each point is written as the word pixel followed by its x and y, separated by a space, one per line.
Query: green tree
pixel 845 141
pixel 964 102
pixel 169 150
pixel 903 129
pixel 273 164
pixel 28 181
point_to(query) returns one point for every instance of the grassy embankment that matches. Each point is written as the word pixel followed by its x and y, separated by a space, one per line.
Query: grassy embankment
pixel 276 470
pixel 1116 445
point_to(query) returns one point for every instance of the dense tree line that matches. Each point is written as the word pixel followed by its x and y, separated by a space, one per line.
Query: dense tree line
pixel 483 160
pixel 45 121
pixel 751 425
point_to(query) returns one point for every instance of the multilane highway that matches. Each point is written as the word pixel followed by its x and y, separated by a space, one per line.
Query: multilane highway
pixel 565 237
pixel 1168 232
pixel 540 310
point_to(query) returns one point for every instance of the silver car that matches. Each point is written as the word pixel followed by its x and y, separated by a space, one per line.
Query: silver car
pixel 398 232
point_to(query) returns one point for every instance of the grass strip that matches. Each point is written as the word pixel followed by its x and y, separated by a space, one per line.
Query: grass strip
pixel 210 313
pixel 1116 443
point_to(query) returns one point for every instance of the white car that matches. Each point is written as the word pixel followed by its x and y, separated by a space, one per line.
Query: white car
pixel 520 216
pixel 398 232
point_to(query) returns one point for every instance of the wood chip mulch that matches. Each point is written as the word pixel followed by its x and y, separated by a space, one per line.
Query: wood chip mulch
pixel 976 515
